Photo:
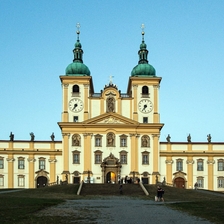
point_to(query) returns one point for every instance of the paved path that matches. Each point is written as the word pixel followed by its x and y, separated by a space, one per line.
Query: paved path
pixel 123 210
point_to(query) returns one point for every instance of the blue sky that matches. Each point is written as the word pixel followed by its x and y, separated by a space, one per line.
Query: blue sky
pixel 185 43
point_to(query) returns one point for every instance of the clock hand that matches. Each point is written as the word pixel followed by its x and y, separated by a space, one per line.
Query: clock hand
pixel 75 105
pixel 144 107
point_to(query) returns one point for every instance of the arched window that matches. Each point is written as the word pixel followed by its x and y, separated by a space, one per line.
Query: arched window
pixel 145 90
pixel 75 89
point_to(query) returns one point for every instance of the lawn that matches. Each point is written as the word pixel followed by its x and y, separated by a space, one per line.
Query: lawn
pixel 21 206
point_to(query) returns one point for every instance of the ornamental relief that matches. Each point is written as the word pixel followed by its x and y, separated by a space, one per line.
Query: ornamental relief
pixel 211 161
pixel 169 161
pixel 190 161
pixel 111 120
pixel 10 159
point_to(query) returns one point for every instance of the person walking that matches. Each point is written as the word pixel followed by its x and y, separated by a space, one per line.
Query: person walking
pixel 160 193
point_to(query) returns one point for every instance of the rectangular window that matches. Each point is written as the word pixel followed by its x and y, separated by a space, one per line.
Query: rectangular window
pixel 42 164
pixel 200 182
pixel 220 165
pixel 1 181
pixel 98 158
pixel 123 159
pixel 145 159
pixel 221 183
pixel 21 164
pixel 98 142
pixel 123 142
pixel 76 158
pixel 145 120
pixel 75 119
pixel 21 181
pixel 179 165
pixel 200 166
pixel 1 164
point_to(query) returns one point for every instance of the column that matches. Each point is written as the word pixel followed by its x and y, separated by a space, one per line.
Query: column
pixel 10 160
pixel 190 182
pixel 65 103
pixel 31 162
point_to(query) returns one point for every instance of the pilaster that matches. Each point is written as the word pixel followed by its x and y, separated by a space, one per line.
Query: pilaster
pixel 169 163
pixel 66 152
pixel 31 162
pixel 87 151
pixel 86 102
pixel 156 118
pixel 135 114
pixel 155 157
pixel 190 162
pixel 52 162
pixel 10 160
pixel 210 163
pixel 65 103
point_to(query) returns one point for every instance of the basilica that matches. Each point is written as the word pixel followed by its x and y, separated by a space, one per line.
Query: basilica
pixel 109 136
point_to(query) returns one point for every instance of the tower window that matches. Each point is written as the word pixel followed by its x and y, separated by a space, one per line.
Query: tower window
pixel 145 90
pixel 145 120
pixel 75 118
pixel 75 90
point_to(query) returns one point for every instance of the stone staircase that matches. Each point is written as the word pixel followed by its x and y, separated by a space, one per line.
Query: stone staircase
pixel 111 189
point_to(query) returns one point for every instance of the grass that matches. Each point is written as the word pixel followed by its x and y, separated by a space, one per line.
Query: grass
pixel 21 206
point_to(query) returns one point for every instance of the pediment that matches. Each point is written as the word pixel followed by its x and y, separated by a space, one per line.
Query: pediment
pixel 110 118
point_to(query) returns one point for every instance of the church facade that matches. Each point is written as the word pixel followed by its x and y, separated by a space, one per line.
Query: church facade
pixel 110 136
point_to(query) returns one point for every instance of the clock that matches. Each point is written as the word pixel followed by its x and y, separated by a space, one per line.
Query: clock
pixel 75 105
pixel 145 106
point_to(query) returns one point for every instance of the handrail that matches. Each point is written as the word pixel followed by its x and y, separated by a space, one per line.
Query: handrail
pixel 143 188
pixel 80 188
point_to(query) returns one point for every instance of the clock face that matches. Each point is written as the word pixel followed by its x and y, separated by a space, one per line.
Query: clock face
pixel 75 105
pixel 145 106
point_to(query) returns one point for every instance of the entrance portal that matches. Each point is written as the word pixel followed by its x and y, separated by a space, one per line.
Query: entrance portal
pixel 111 177
pixel 179 182
pixel 41 181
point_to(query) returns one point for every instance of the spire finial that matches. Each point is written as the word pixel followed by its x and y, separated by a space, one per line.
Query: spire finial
pixel 143 32
pixel 78 31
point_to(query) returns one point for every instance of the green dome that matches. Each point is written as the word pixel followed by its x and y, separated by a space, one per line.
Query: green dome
pixel 143 70
pixel 77 69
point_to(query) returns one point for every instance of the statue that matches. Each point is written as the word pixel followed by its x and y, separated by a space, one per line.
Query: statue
pixel 145 141
pixel 32 136
pixel 110 104
pixel 11 136
pixel 189 138
pixel 209 138
pixel 76 140
pixel 66 177
pixel 157 179
pixel 110 139
pixel 52 137
pixel 57 180
pixel 168 138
